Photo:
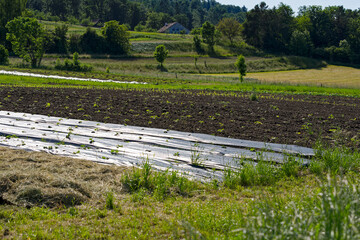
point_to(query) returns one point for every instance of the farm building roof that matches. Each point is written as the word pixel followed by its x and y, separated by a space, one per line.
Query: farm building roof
pixel 166 27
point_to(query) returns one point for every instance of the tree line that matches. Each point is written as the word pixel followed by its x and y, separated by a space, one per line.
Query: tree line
pixel 146 14
pixel 331 33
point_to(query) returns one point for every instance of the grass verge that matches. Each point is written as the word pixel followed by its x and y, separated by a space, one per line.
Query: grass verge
pixel 296 203
pixel 210 85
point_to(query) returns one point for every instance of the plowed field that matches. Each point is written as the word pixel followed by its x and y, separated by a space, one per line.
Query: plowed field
pixel 279 118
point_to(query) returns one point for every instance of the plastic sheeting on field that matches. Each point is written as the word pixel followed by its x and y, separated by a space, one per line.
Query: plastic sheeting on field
pixel 130 146
pixel 26 74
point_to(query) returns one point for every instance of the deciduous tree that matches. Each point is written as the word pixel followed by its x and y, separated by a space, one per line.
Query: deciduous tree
pixel 161 54
pixel 208 35
pixel 241 66
pixel 9 9
pixel 4 55
pixel 300 43
pixel 117 37
pixel 230 28
pixel 27 38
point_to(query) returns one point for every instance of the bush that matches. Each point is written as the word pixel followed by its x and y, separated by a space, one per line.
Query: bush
pixel 74 43
pixel 75 65
pixel 4 55
pixel 241 67
pixel 72 20
pixel 147 181
pixel 91 42
pixel 161 54
pixel 300 43
pixel 86 22
pixel 59 40
pixel 140 28
pixel 250 174
pixel 116 37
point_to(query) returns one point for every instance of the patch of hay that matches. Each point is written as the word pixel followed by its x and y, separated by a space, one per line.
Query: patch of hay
pixel 41 179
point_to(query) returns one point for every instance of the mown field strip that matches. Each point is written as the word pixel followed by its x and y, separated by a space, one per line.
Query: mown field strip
pixel 333 76
pixel 130 146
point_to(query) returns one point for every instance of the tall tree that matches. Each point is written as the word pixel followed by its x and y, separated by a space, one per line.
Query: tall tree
pixel 255 25
pixel 241 66
pixel 208 35
pixel 354 35
pixel 158 20
pixel 137 14
pixel 117 10
pixel 300 43
pixel 215 13
pixel 9 9
pixel 340 21
pixel 27 38
pixel 269 28
pixel 38 5
pixel 320 28
pixel 117 37
pixel 161 54
pixel 230 28
pixel 57 8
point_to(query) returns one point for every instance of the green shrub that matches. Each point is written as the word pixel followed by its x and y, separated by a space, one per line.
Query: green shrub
pixel 335 215
pixel 73 20
pixel 253 96
pixel 110 201
pixel 116 37
pixel 86 22
pixel 241 67
pixel 291 167
pixel 4 55
pixel 75 65
pixel 161 54
pixel 91 42
pixel 146 180
pixel 250 174
pixel 74 43
pixel 140 28
pixel 339 160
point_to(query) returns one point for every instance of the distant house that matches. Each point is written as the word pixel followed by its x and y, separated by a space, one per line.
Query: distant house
pixel 173 28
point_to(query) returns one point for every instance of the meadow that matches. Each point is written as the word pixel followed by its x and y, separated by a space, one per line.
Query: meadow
pixel 331 76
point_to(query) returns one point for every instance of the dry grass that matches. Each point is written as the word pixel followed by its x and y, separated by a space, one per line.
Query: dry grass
pixel 332 76
pixel 40 179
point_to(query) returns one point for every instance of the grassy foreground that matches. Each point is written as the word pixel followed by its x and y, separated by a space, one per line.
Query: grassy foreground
pixel 49 197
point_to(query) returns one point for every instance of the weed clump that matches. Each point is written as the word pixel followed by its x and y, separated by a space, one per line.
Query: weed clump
pixel 147 181
pixel 75 65
pixel 337 160
pixel 336 215
pixel 250 174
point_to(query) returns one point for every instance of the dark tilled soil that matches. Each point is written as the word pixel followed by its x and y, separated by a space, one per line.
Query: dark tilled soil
pixel 289 119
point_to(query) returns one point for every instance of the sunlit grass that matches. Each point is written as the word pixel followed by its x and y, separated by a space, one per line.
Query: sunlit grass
pixel 333 76
pixel 164 205
pixel 183 84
